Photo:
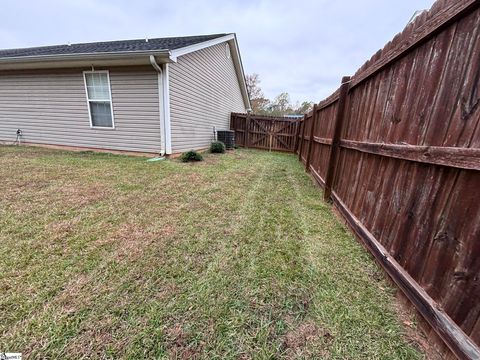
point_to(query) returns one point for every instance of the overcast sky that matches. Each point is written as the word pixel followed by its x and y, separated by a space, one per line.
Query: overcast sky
pixel 298 46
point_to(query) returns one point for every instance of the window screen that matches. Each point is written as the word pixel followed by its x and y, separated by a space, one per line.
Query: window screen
pixel 97 84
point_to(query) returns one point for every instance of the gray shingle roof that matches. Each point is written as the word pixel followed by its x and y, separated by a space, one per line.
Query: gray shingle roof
pixel 168 43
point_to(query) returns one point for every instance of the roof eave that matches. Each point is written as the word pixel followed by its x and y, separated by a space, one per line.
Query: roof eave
pixel 87 59
pixel 237 59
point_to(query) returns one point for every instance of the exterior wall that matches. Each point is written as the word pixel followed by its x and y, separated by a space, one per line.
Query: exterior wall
pixel 204 90
pixel 50 107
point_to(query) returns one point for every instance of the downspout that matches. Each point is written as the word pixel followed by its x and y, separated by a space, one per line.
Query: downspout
pixel 164 104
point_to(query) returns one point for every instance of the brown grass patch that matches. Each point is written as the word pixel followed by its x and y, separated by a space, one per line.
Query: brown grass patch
pixel 211 159
pixel 35 195
pixel 15 191
pixel 62 228
pixel 131 240
pixel 73 294
pixel 177 344
pixel 93 340
pixel 296 341
pixel 79 196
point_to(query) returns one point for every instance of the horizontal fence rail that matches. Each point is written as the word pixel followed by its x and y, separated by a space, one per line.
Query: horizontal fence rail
pixel 265 132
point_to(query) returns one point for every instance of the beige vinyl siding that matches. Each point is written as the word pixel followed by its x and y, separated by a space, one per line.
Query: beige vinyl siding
pixel 204 90
pixel 50 107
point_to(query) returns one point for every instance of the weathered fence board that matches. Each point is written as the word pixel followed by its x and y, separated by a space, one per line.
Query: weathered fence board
pixel 405 166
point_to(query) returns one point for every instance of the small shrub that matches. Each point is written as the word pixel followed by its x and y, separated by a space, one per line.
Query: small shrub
pixel 217 147
pixel 190 156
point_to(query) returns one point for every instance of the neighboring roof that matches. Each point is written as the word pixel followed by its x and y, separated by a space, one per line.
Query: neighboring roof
pixel 122 46
pixel 293 116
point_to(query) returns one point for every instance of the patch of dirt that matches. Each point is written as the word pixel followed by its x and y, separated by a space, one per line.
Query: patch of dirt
pixel 177 340
pixel 296 341
pixel 300 336
pixel 415 336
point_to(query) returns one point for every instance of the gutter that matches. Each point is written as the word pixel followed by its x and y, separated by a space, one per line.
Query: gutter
pixel 85 56
pixel 164 107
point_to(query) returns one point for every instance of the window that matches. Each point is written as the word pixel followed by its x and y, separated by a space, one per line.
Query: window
pixel 227 50
pixel 99 98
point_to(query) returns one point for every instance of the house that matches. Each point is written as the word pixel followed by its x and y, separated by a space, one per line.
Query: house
pixel 157 96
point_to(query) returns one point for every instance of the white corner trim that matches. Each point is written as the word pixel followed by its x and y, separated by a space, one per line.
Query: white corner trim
pixel 188 49
pixel 164 106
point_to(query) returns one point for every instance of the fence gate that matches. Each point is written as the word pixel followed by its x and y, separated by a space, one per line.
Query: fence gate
pixel 265 132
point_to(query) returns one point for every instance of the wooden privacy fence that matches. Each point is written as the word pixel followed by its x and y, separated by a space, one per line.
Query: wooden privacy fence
pixel 265 132
pixel 397 149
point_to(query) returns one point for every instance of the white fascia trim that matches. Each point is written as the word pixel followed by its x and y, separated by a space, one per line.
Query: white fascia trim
pixel 191 48
pixel 237 60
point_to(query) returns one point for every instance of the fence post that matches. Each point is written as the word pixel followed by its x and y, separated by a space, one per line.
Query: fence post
pixel 300 148
pixel 247 130
pixel 297 134
pixel 337 133
pixel 310 138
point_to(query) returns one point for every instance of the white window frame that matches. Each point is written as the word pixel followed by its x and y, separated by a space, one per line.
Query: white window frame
pixel 109 99
pixel 228 52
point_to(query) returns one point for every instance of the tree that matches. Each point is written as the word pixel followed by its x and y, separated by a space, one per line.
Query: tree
pixel 281 104
pixel 305 107
pixel 253 86
pixel 257 98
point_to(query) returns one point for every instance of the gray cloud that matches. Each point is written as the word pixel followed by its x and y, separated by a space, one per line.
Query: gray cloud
pixel 302 47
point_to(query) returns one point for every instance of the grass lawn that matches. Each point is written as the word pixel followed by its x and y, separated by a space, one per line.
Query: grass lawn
pixel 237 257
